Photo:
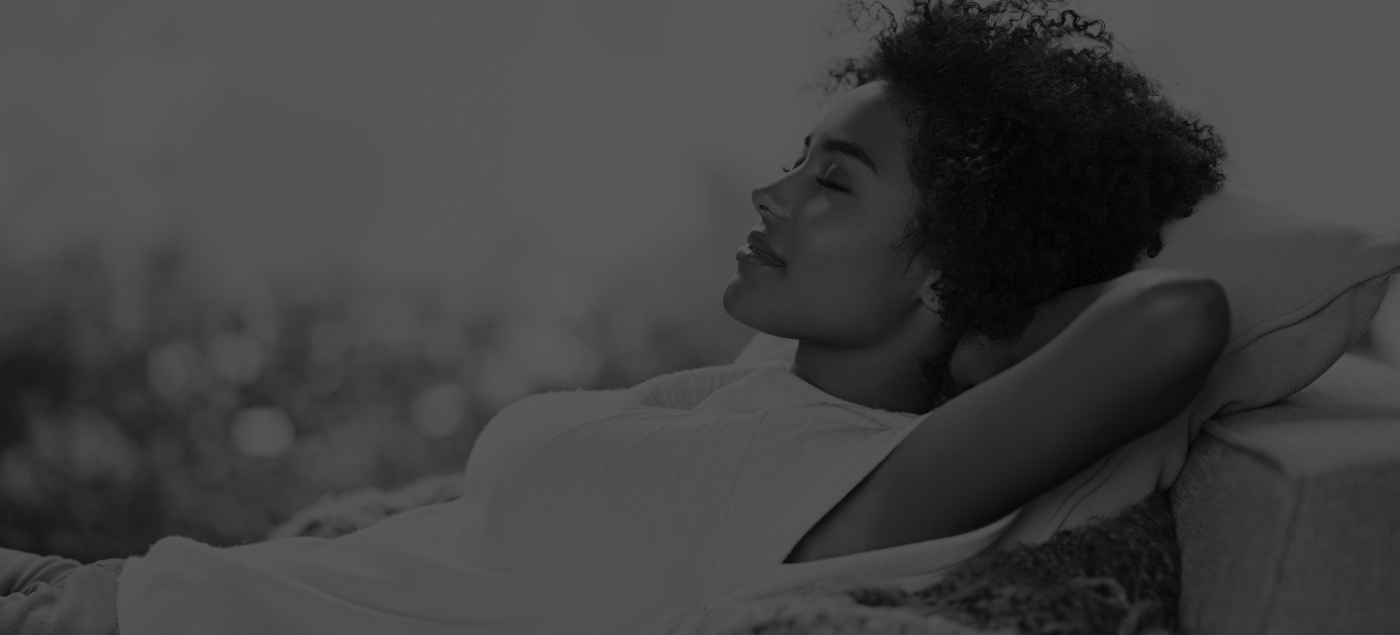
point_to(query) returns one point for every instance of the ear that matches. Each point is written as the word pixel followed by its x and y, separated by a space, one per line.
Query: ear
pixel 927 294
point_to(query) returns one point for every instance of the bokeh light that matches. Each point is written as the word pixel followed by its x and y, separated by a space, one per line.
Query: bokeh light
pixel 174 369
pixel 98 449
pixel 20 477
pixel 262 432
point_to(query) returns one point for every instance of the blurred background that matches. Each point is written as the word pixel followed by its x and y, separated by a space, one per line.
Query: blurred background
pixel 254 252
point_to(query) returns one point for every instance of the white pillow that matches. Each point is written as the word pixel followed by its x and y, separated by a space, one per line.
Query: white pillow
pixel 1301 292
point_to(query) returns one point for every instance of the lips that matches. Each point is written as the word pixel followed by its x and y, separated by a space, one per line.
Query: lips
pixel 760 245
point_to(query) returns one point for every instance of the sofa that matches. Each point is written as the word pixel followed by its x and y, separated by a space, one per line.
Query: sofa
pixel 1288 516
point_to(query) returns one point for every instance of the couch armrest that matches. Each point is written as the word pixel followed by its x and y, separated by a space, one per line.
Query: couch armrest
pixel 1287 515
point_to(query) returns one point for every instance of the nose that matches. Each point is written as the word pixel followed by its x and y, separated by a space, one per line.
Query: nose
pixel 768 207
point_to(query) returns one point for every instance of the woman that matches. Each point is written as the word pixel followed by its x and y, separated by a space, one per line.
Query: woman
pixel 954 252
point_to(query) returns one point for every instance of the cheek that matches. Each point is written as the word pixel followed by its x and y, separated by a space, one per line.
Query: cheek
pixel 758 300
pixel 853 298
pixel 841 296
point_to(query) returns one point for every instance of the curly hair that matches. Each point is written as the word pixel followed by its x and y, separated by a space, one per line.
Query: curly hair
pixel 1040 166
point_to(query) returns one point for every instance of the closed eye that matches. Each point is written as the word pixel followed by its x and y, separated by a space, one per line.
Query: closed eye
pixel 820 181
pixel 830 185
pixel 806 143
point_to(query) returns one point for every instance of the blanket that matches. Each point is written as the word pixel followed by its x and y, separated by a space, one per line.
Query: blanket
pixel 1116 576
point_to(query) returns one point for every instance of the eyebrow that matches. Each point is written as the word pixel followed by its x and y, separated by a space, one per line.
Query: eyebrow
pixel 847 148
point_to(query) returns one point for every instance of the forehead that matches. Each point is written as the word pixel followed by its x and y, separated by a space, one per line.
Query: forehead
pixel 869 116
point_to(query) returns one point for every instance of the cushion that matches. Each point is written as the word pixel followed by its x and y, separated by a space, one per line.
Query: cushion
pixel 1301 292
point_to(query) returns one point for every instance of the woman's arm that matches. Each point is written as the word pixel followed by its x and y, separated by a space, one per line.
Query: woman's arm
pixel 978 359
pixel 1128 357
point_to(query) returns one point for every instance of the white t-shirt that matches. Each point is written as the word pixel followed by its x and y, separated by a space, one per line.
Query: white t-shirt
pixel 662 508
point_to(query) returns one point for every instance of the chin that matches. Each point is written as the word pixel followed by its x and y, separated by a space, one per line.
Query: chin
pixel 734 303
pixel 761 311
pixel 744 308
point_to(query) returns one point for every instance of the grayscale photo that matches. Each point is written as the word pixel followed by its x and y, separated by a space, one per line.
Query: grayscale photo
pixel 683 317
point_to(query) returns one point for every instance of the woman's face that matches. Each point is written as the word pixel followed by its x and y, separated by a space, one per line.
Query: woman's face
pixel 833 220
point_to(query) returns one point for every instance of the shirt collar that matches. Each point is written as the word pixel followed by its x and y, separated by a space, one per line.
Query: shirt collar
pixel 774 385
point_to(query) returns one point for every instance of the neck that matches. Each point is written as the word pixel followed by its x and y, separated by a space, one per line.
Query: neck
pixel 887 375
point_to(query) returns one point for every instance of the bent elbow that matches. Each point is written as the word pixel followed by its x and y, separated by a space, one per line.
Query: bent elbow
pixel 1197 318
